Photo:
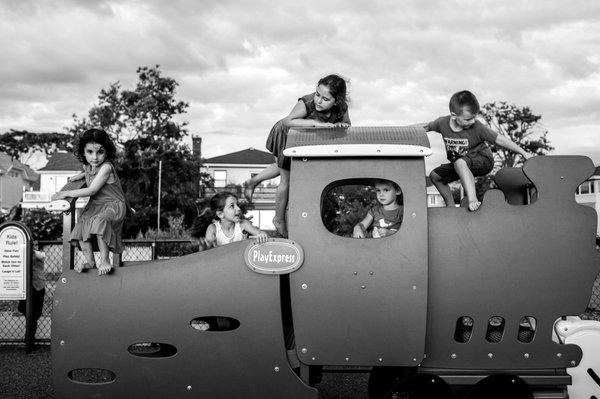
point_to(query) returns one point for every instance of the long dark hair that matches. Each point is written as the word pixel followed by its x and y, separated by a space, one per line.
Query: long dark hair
pixel 209 214
pixel 337 88
pixel 97 136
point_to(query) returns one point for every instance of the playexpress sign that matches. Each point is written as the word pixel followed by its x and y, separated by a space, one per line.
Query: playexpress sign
pixel 276 256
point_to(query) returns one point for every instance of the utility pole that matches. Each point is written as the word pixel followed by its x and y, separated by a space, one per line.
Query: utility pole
pixel 159 190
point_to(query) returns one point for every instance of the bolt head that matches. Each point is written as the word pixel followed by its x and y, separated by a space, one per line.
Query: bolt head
pixel 526 355
pixel 453 356
pixel 304 286
pixel 63 280
pixel 490 355
pixel 189 388
pixel 276 369
pixel 559 354
pixel 304 350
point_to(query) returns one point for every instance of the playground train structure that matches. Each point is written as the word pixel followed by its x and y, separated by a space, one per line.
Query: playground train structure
pixel 454 304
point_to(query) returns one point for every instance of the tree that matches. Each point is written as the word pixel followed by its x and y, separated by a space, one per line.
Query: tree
pixel 16 143
pixel 145 112
pixel 141 122
pixel 521 126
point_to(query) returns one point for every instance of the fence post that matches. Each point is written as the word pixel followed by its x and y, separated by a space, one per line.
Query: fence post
pixel 68 250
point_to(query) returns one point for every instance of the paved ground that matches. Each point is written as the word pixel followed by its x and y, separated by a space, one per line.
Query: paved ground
pixel 29 376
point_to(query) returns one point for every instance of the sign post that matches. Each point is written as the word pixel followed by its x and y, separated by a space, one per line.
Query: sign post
pixel 16 259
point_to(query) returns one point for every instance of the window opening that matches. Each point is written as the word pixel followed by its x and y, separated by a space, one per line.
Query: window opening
pixel 362 208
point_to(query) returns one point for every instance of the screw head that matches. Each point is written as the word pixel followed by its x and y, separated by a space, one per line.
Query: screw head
pixel 573 362
pixel 363 287
pixel 347 359
pixel 276 369
pixel 304 286
pixel 526 355
pixel 304 159
pixel 380 359
pixel 304 214
pixel 559 354
pixel 355 273
pixel 414 215
pixel 453 356
pixel 62 343
pixel 414 287
pixel 313 358
pixel 304 350
pixel 490 355
pixel 63 280
pixel 189 388
pixel 371 273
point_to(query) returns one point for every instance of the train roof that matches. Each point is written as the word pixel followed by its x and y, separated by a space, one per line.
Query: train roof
pixel 384 141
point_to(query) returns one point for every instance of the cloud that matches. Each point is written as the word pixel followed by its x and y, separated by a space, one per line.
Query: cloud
pixel 242 64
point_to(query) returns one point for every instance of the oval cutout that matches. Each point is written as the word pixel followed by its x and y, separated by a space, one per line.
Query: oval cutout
pixel 91 376
pixel 463 329
pixel 152 349
pixel 214 323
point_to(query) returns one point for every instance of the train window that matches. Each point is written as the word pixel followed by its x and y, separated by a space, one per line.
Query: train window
pixel 362 208
pixel 463 330
pixel 495 329
pixel 527 327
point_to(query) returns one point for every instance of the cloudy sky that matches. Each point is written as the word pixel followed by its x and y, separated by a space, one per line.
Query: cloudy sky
pixel 242 65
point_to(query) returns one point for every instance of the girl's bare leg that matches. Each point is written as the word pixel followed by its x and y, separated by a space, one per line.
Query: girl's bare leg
pixel 281 200
pixel 267 173
pixel 104 266
pixel 88 254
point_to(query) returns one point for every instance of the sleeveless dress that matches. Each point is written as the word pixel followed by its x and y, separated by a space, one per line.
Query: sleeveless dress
pixel 278 136
pixel 102 217
pixel 222 239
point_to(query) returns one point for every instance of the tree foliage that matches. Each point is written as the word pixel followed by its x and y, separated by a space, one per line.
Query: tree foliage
pixel 145 113
pixel 141 120
pixel 18 142
pixel 520 125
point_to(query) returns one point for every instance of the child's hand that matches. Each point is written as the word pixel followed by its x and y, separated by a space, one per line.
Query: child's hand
pixel 383 232
pixel 261 237
pixel 358 232
pixel 58 196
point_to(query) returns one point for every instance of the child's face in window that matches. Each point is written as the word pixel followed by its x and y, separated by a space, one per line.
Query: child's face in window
pixel 386 193
pixel 323 99
pixel 465 118
pixel 231 212
pixel 95 154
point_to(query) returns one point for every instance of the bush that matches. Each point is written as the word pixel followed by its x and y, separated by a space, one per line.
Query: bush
pixel 44 225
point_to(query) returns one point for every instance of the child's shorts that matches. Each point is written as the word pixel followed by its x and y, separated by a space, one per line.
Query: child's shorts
pixel 478 164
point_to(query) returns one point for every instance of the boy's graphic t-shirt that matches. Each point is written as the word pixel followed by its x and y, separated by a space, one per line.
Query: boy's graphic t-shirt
pixel 467 141
pixel 390 220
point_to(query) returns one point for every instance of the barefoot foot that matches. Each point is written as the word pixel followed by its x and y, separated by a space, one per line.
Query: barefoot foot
pixel 82 267
pixel 474 205
pixel 104 268
pixel 248 190
pixel 281 227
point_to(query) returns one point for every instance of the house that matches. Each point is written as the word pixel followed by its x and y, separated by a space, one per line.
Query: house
pixel 230 171
pixel 61 165
pixel 588 194
pixel 15 178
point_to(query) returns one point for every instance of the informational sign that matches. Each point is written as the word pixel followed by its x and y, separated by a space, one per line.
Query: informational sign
pixel 276 256
pixel 13 263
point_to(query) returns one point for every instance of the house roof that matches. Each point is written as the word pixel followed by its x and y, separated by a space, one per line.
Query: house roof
pixel 7 163
pixel 62 161
pixel 249 156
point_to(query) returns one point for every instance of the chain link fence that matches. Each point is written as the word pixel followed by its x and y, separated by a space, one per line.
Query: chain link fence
pixel 12 322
